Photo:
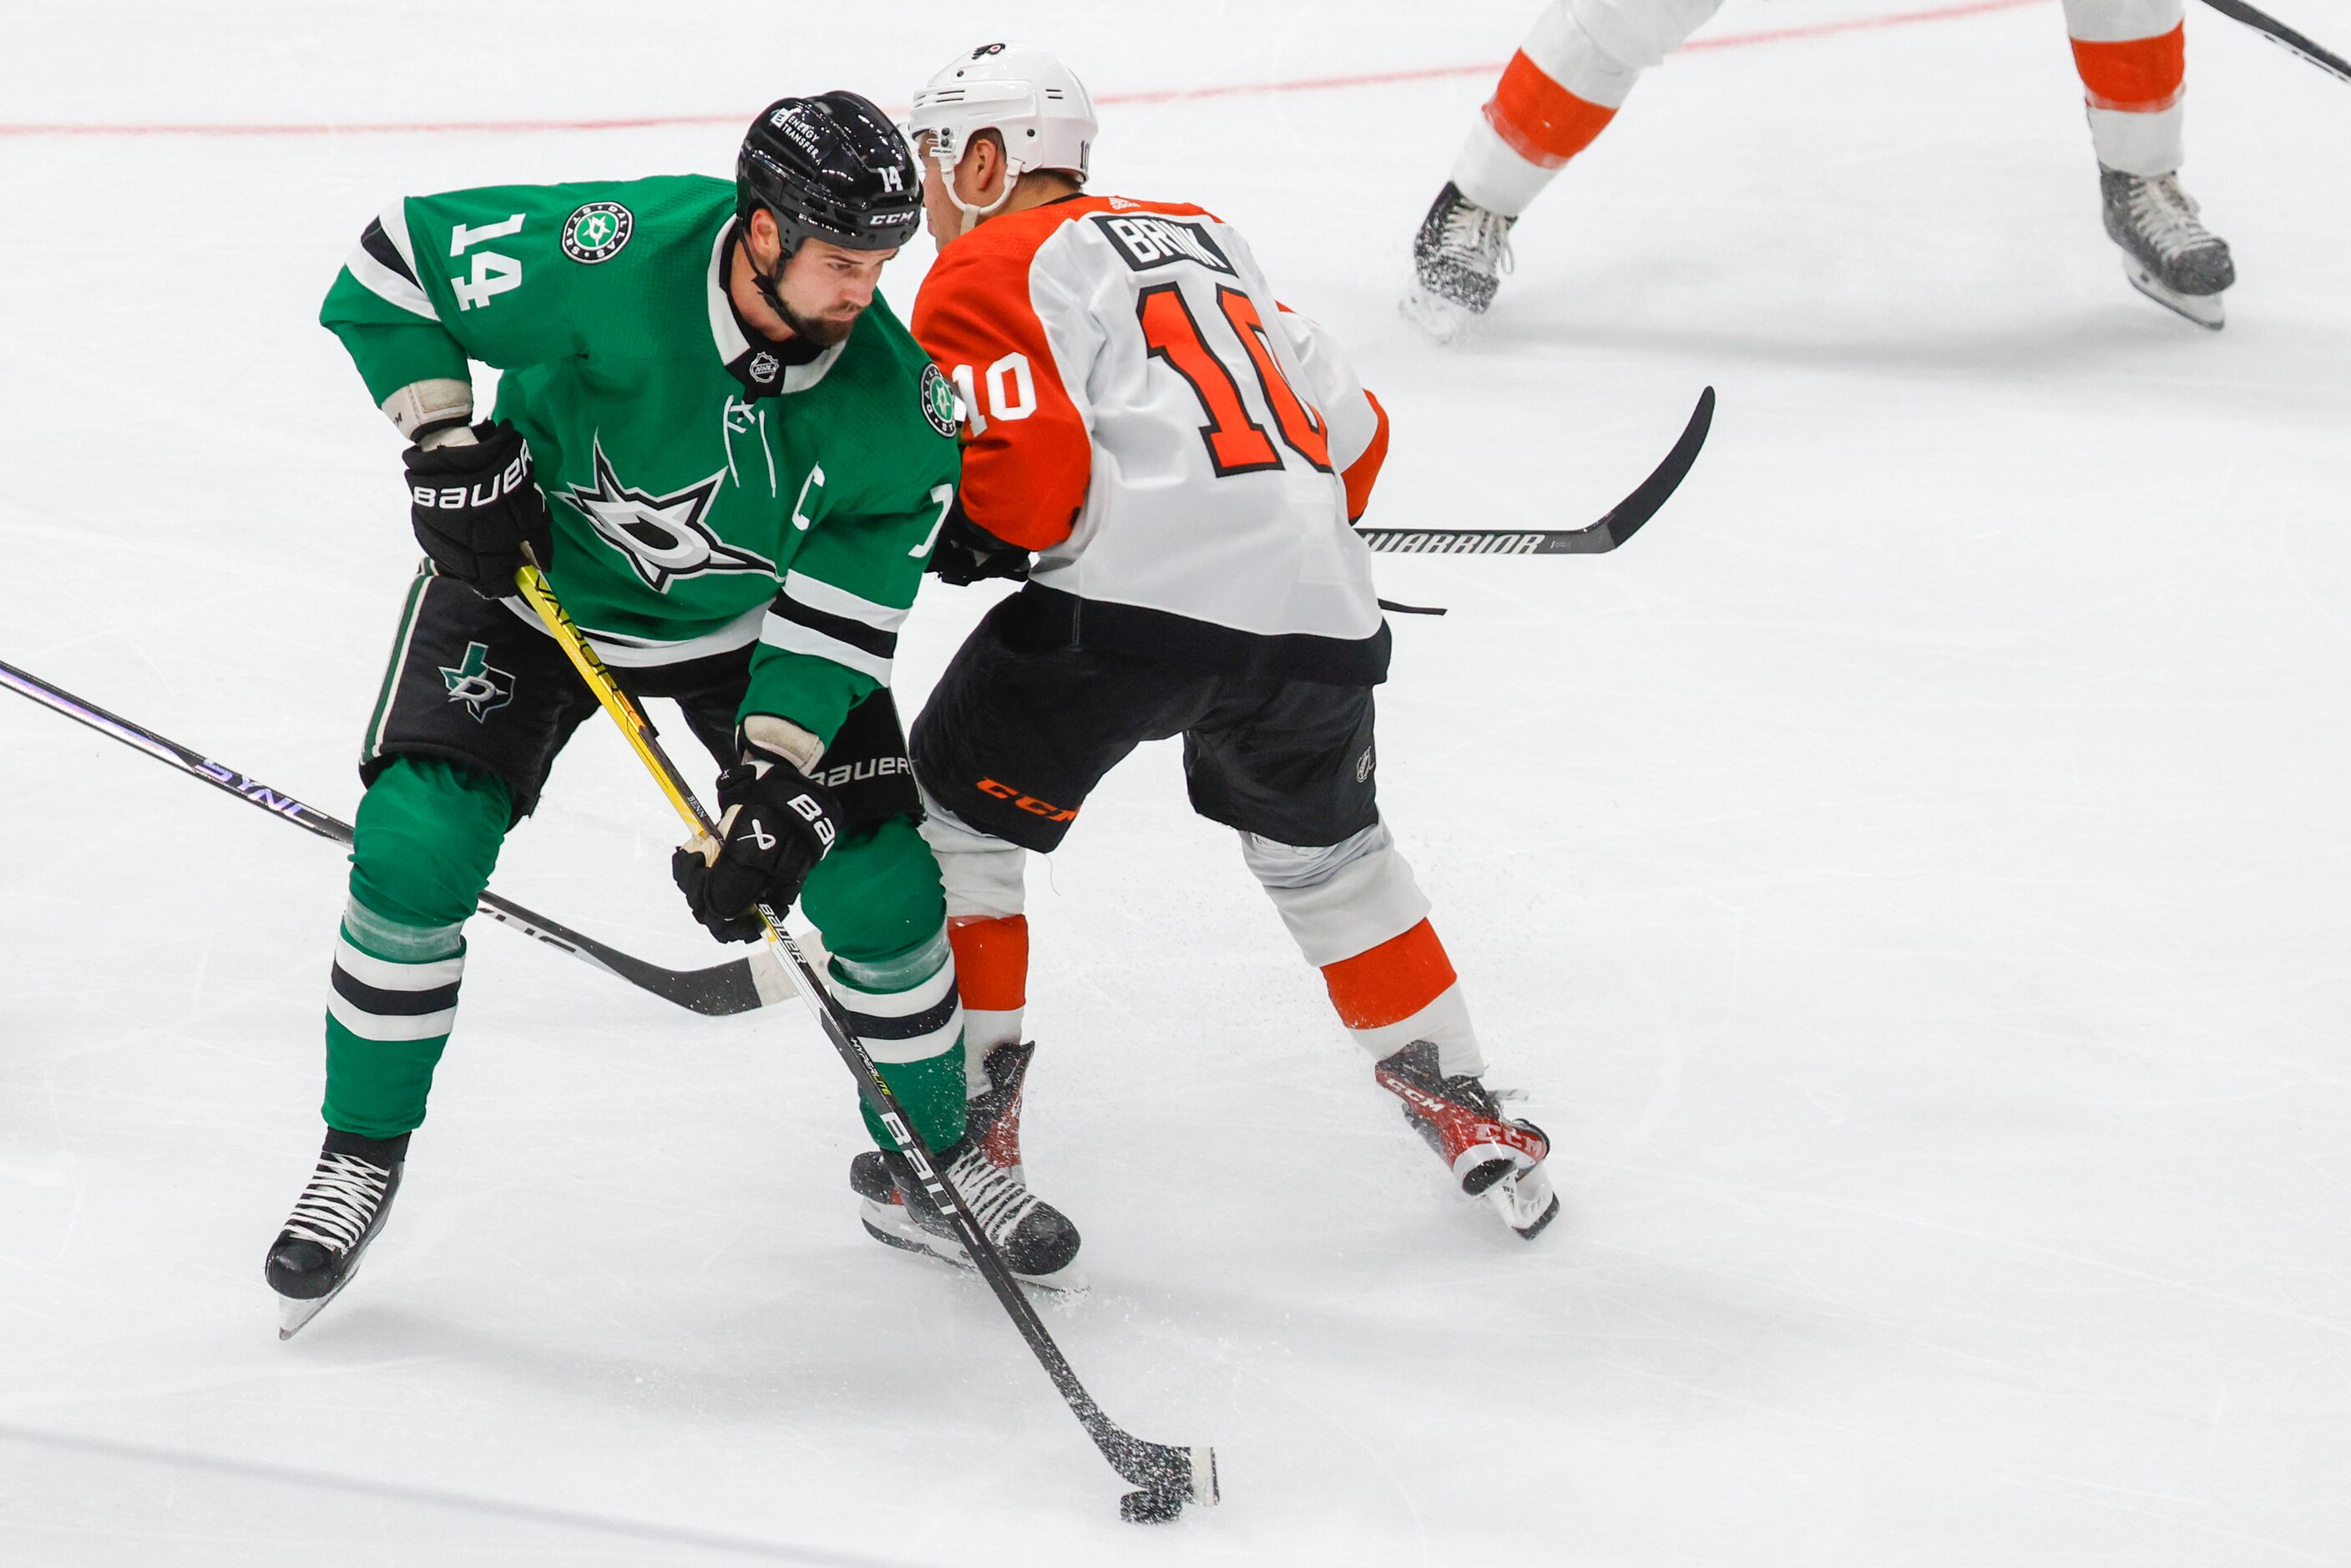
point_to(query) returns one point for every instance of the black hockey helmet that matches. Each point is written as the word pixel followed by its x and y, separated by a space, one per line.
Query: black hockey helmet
pixel 833 167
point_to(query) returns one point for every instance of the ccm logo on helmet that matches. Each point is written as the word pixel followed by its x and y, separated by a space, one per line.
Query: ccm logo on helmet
pixel 458 498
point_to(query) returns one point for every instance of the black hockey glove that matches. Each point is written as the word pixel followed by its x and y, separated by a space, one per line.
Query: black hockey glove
pixel 966 552
pixel 778 824
pixel 474 508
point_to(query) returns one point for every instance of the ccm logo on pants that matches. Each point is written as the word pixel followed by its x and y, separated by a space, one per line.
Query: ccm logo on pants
pixel 1028 804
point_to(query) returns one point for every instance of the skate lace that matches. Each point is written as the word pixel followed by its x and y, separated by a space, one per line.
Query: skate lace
pixel 2166 216
pixel 997 1201
pixel 340 1202
pixel 1479 233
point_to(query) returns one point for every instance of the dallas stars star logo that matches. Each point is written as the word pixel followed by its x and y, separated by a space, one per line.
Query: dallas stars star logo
pixel 662 535
pixel 474 683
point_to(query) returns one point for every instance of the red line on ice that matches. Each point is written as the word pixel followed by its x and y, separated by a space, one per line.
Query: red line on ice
pixel 1162 95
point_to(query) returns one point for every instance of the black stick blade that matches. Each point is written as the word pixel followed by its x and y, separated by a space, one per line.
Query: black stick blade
pixel 1627 516
pixel 722 990
pixel 1621 523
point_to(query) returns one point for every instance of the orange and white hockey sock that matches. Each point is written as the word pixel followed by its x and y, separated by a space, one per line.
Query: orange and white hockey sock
pixel 991 954
pixel 984 878
pixel 2132 55
pixel 1404 990
pixel 1358 915
pixel 1560 89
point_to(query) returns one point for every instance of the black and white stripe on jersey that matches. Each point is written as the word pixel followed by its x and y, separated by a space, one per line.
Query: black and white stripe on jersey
pixel 814 617
pixel 378 243
pixel 382 263
pixel 872 640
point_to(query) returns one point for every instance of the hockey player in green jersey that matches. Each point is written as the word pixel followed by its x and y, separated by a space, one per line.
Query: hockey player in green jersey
pixel 732 461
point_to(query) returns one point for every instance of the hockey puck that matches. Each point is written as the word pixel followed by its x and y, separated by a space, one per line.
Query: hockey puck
pixel 1147 1507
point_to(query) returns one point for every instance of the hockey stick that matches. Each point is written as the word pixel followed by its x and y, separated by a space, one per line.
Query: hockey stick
pixel 1167 1476
pixel 2283 37
pixel 741 987
pixel 1622 521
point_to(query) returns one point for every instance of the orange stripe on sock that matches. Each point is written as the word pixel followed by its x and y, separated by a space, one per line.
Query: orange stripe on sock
pixel 991 961
pixel 1392 981
pixel 1543 122
pixel 2141 75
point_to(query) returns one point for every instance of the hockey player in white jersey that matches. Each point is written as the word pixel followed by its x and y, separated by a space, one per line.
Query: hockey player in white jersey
pixel 1574 70
pixel 1187 455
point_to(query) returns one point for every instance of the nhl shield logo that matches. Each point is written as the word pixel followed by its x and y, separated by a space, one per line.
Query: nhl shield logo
pixel 939 402
pixel 597 232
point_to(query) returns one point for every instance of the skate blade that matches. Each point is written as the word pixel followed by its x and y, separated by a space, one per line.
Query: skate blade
pixel 1439 318
pixel 2204 309
pixel 1525 1201
pixel 293 1314
pixel 889 1226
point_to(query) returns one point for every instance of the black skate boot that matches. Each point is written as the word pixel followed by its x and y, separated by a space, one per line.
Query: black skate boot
pixel 337 1214
pixel 1458 261
pixel 1037 1242
pixel 1491 1156
pixel 2167 253
pixel 993 1120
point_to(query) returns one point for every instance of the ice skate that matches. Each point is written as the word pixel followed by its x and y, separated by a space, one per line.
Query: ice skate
pixel 1458 260
pixel 1038 1243
pixel 2167 253
pixel 1493 1157
pixel 338 1214
pixel 993 1119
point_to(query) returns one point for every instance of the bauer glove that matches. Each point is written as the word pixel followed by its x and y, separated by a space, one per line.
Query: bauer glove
pixel 966 552
pixel 778 824
pixel 475 504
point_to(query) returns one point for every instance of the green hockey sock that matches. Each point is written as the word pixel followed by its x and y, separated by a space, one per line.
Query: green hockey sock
pixel 906 1011
pixel 877 900
pixel 427 836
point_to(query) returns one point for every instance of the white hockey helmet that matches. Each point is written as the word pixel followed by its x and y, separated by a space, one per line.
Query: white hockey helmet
pixel 1024 94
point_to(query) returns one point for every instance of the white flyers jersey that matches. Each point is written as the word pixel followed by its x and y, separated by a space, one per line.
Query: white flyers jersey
pixel 1186 454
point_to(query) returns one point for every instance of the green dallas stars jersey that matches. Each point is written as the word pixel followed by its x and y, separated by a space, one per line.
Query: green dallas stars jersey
pixel 705 492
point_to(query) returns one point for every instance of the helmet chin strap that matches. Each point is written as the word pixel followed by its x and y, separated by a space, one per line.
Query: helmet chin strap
pixel 767 282
pixel 971 214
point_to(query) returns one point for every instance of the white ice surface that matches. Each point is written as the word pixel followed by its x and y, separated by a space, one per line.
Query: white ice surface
pixel 1910 878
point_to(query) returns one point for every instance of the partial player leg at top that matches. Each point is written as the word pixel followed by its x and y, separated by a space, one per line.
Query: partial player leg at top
pixel 1577 65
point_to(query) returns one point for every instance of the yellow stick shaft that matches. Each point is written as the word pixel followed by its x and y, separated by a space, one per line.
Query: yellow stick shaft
pixel 616 702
